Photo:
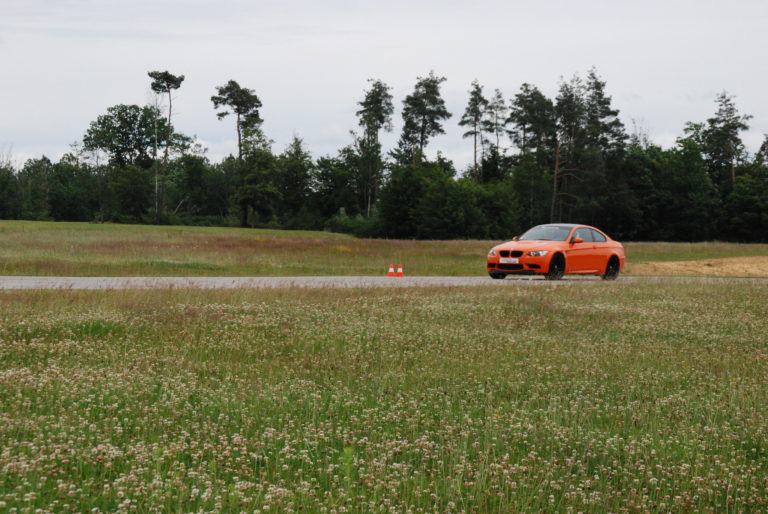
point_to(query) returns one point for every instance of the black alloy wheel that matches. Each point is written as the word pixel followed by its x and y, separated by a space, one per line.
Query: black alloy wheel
pixel 611 269
pixel 556 268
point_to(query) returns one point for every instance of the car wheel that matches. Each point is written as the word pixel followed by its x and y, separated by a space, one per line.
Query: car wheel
pixel 556 268
pixel 611 269
pixel 497 276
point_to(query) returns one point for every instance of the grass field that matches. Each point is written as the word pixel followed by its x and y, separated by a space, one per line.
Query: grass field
pixel 587 397
pixel 77 249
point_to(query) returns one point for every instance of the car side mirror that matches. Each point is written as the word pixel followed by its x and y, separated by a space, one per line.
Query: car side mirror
pixel 515 238
pixel 576 240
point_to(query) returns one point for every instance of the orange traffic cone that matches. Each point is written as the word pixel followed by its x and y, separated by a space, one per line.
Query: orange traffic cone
pixel 400 271
pixel 391 272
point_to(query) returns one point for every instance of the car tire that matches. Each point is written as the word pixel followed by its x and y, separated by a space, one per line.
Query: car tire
pixel 611 269
pixel 497 276
pixel 556 267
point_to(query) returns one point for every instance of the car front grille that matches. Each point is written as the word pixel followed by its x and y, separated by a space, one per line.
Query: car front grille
pixel 516 253
pixel 511 267
pixel 503 253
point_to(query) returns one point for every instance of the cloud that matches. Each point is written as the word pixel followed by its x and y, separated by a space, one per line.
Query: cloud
pixel 65 62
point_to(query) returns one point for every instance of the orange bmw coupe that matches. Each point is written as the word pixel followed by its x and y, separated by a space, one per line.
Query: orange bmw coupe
pixel 558 249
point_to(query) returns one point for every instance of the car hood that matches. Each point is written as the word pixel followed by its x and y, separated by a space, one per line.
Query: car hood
pixel 529 245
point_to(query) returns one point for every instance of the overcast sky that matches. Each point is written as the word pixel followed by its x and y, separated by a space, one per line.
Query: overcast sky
pixel 64 62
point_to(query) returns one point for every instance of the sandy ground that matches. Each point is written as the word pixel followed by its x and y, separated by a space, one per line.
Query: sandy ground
pixel 727 267
pixel 18 282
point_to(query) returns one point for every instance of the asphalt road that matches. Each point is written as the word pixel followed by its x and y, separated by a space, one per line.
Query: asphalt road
pixel 21 282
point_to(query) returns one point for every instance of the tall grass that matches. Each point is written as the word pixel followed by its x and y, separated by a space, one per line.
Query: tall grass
pixel 582 397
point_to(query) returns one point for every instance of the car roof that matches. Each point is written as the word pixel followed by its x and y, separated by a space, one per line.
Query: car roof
pixel 571 225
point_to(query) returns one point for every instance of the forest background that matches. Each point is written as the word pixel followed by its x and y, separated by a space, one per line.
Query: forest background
pixel 535 160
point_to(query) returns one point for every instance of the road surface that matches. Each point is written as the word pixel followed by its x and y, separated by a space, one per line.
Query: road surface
pixel 21 282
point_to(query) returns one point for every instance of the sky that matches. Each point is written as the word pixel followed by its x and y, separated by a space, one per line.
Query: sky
pixel 64 62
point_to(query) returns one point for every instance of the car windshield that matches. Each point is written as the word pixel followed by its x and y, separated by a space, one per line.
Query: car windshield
pixel 546 233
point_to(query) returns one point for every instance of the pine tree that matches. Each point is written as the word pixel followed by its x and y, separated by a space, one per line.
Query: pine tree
pixel 244 104
pixel 569 109
pixel 532 117
pixel 164 82
pixel 374 116
pixel 423 113
pixel 603 129
pixel 532 129
pixel 294 177
pixel 761 157
pixel 495 118
pixel 722 145
pixel 473 118
pixel 376 110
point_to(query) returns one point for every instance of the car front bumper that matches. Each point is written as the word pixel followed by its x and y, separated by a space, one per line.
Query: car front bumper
pixel 525 265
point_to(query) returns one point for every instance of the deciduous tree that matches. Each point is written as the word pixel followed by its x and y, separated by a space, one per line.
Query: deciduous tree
pixel 10 207
pixel 127 134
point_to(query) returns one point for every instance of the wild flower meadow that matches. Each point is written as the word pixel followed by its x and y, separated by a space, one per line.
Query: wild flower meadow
pixel 585 397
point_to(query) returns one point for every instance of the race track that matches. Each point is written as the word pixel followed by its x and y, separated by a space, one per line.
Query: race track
pixel 106 283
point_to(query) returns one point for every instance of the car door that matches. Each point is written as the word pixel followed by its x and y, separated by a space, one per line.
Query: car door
pixel 602 250
pixel 578 256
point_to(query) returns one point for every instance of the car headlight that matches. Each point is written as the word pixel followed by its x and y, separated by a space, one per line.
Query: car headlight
pixel 538 253
pixel 492 253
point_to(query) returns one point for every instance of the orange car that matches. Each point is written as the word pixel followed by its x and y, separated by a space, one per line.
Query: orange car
pixel 557 249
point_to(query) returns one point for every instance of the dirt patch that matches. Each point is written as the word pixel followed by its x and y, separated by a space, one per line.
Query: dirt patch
pixel 728 267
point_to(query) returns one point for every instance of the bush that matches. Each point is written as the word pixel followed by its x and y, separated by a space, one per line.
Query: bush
pixel 358 226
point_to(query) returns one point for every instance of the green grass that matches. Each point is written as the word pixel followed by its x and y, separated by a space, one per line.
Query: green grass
pixel 587 397
pixel 83 249
pixel 89 249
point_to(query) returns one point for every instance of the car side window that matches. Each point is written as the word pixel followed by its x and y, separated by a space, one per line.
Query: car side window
pixel 597 237
pixel 584 233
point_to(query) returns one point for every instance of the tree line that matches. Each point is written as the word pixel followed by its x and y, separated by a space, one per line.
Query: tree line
pixel 535 160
